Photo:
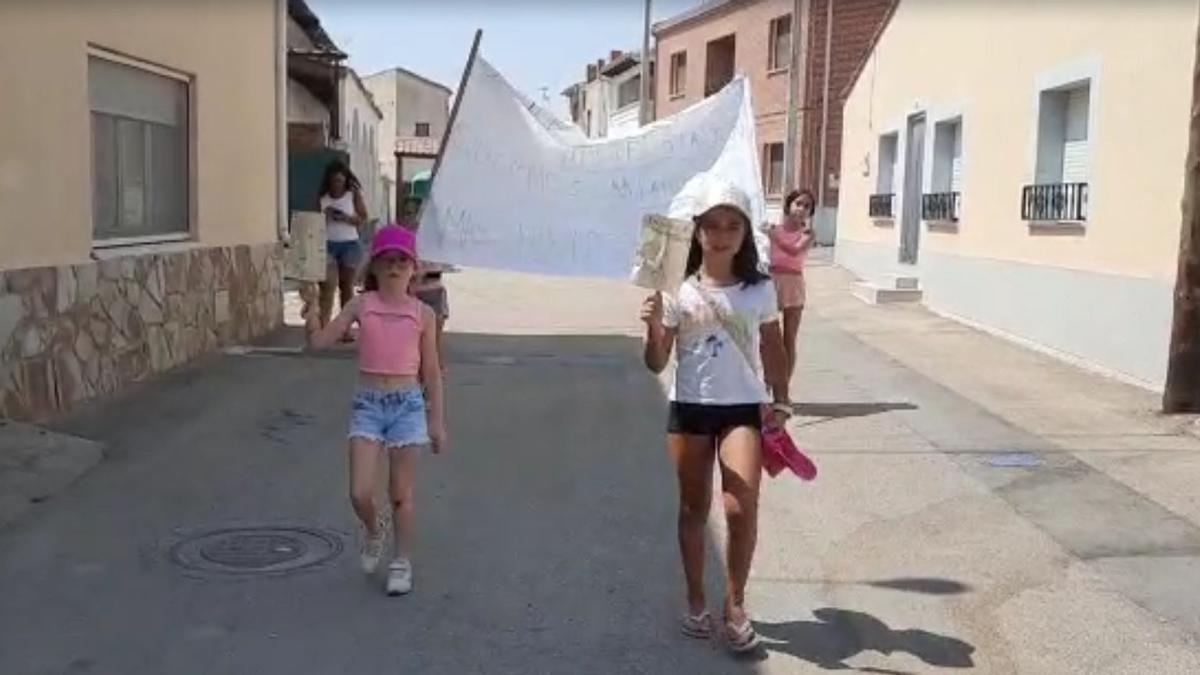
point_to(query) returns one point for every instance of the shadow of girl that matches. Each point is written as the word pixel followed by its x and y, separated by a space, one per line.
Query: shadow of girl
pixel 839 634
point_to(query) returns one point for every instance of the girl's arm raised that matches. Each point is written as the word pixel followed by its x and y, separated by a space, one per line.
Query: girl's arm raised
pixel 323 338
pixel 431 377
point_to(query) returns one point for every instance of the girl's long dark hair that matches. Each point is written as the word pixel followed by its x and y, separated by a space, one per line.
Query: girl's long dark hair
pixel 746 267
pixel 335 167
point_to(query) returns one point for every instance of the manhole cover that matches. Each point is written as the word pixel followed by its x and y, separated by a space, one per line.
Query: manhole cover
pixel 256 550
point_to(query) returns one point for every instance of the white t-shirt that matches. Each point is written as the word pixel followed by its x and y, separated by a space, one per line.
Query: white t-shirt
pixel 710 368
pixel 338 231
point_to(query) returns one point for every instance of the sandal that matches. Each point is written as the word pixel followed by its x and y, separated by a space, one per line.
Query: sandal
pixel 741 637
pixel 698 626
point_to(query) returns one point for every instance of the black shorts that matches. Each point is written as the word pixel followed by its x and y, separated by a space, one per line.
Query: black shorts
pixel 698 419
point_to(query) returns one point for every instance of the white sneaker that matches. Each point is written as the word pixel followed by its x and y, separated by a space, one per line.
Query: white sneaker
pixel 399 580
pixel 372 551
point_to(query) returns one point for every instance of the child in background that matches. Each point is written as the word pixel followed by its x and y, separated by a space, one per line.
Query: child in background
pixel 790 243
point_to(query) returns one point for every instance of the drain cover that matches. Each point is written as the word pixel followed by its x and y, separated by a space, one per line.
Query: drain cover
pixel 256 550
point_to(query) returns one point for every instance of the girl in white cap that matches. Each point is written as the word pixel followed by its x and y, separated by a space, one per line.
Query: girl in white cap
pixel 724 324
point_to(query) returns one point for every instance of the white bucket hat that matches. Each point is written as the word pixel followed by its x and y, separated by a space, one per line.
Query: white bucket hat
pixel 706 191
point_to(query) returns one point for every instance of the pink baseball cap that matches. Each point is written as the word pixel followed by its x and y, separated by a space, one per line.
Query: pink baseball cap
pixel 394 238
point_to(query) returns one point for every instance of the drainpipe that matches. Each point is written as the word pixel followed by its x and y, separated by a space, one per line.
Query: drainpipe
pixel 795 71
pixel 281 150
pixel 821 177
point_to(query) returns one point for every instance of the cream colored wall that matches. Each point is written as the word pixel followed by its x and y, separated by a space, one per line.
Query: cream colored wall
pixel 45 165
pixel 982 59
pixel 383 89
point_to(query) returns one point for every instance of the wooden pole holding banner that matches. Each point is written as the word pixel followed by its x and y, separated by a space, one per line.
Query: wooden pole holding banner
pixel 458 97
pixel 645 92
pixel 1182 392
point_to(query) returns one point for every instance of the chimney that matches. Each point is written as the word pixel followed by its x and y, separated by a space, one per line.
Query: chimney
pixel 614 55
pixel 591 72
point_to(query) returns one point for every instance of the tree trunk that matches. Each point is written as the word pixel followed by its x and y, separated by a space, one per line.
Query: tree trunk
pixel 1182 392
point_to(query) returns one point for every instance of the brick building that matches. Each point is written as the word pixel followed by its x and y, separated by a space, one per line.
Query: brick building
pixel 700 51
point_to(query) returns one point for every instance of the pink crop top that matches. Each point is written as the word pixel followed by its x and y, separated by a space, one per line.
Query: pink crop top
pixel 389 336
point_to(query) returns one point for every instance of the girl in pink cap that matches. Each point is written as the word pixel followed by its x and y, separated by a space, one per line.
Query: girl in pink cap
pixel 398 369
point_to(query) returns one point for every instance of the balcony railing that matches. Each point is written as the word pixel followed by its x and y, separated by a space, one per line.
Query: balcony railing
pixel 940 207
pixel 882 206
pixel 1055 202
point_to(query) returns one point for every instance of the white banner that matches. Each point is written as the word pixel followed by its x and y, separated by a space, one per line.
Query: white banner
pixel 519 189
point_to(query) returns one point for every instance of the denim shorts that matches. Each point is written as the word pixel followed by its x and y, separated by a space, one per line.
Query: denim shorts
pixel 343 254
pixel 395 418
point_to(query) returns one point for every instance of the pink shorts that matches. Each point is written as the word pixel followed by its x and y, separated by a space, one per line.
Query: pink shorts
pixel 790 289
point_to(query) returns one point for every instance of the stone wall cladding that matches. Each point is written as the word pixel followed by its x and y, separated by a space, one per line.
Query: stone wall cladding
pixel 71 333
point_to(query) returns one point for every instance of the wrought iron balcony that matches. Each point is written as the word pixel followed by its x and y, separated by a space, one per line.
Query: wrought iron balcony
pixel 940 207
pixel 882 206
pixel 1055 202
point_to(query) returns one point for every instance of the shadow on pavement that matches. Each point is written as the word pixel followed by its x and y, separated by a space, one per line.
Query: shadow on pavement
pixel 846 410
pixel 928 586
pixel 840 634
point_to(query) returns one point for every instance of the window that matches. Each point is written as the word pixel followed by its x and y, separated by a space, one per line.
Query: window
pixel 629 92
pixel 941 203
pixel 947 156
pixel 888 152
pixel 139 122
pixel 1063 134
pixel 779 43
pixel 354 129
pixel 773 168
pixel 720 63
pixel 882 203
pixel 678 74
pixel 422 130
pixel 1060 190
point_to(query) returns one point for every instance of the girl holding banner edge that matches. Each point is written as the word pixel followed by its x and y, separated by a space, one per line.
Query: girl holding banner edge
pixel 724 323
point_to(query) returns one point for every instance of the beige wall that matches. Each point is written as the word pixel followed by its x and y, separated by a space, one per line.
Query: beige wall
pixel 382 87
pixel 982 59
pixel 406 100
pixel 419 101
pixel 45 170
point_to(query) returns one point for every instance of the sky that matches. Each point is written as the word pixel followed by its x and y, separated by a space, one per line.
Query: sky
pixel 535 44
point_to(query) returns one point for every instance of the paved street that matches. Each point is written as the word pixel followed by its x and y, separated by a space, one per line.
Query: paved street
pixel 980 508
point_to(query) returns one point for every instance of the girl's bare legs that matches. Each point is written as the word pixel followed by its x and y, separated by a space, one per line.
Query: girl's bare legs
pixel 441 342
pixel 791 333
pixel 400 487
pixel 693 457
pixel 327 290
pixel 345 287
pixel 345 284
pixel 364 467
pixel 740 457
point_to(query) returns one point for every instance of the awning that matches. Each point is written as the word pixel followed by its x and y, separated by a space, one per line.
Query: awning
pixel 419 186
